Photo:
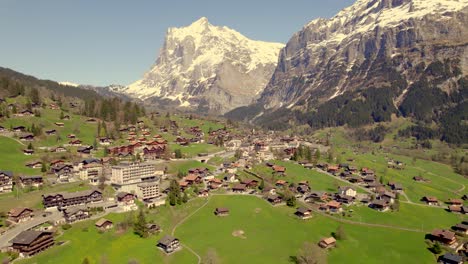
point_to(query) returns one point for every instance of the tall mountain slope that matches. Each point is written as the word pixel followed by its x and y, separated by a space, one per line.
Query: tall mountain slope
pixel 372 59
pixel 206 67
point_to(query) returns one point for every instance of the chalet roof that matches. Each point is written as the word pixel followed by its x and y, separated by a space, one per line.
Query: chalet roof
pixel 7 173
pixel 456 201
pixel 381 203
pixel 27 237
pixel 167 240
pixel 273 197
pixel 443 233
pixel 451 258
pixel 278 168
pixel 68 195
pixel 328 240
pixel 239 186
pixel 430 198
pixel 91 160
pixel 121 195
pixel 461 226
pixel 102 221
pixel 192 177
pixel 30 177
pixel 15 212
pixel 222 210
pixel 152 226
pixel 75 209
pixel 334 204
pixel 346 188
pixel 303 210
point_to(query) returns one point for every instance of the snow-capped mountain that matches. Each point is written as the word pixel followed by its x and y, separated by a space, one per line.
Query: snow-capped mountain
pixel 371 44
pixel 207 67
pixel 72 84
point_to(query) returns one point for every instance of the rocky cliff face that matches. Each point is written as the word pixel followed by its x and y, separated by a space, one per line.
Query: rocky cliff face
pixel 207 68
pixel 373 43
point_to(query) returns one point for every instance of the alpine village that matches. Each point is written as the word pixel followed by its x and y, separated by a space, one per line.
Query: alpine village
pixel 348 144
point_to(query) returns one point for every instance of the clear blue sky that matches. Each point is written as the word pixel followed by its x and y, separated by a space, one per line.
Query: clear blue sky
pixel 102 42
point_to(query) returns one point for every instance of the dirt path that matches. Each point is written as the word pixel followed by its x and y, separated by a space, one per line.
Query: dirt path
pixel 193 252
pixel 445 178
pixel 15 139
pixel 185 219
pixel 188 216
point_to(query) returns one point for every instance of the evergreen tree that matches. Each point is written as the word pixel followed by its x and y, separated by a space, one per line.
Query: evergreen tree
pixel 61 115
pixel 30 146
pixel 178 154
pixel 174 193
pixel 85 261
pixel 340 233
pixel 262 185
pixel 43 167
pixel 139 227
pixel 34 95
pixel 291 201
pixel 436 248
pixel 185 198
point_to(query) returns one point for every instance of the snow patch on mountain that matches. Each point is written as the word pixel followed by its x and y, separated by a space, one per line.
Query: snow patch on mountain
pixel 207 64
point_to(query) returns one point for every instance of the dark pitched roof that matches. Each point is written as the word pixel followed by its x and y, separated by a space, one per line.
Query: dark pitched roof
pixel 303 210
pixel 7 173
pixel 166 240
pixel 27 237
pixel 451 258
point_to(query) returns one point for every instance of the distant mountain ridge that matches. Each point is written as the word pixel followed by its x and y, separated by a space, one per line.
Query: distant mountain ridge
pixel 207 68
pixel 373 59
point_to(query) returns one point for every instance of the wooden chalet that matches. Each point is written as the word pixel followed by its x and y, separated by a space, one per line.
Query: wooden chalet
pixel 34 164
pixel 104 224
pixel 461 228
pixel 279 169
pixel 31 242
pixel 153 228
pixel 430 200
pixel 214 183
pixel 76 213
pixel 249 183
pixel 331 206
pixel 193 179
pixel 239 188
pixel 154 152
pixel 169 244
pixel 26 137
pixel 221 211
pixel 316 196
pixel 274 199
pixel 19 215
pixel 328 242
pixel 450 258
pixel 71 199
pixel 444 236
pixel 303 213
pixel 6 181
pixel 34 181
pixel 51 132
pixel 380 205
pixel 28 152
pixel 126 198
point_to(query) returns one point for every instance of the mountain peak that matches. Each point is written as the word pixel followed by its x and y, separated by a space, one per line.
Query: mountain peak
pixel 208 66
pixel 201 21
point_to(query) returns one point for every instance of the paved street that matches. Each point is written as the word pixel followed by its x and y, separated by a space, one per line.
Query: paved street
pixel 37 220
